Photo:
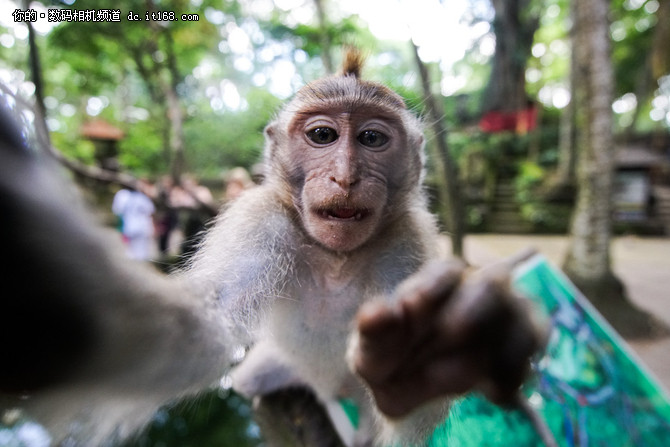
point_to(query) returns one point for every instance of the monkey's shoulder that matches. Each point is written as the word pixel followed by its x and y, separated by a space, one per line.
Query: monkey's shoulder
pixel 249 249
pixel 254 221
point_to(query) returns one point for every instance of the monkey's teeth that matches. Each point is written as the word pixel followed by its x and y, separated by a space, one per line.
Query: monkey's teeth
pixel 344 214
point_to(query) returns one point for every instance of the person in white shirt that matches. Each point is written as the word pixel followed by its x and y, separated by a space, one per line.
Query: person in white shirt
pixel 135 210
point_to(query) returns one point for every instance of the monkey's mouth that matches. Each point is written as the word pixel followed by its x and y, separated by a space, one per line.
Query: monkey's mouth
pixel 346 214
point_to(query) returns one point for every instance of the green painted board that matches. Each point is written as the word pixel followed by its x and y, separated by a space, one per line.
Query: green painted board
pixel 589 386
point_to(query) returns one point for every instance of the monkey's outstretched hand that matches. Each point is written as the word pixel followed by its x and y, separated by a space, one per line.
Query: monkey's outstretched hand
pixel 449 330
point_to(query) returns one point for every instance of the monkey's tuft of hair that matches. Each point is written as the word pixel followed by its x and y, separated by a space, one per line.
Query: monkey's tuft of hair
pixel 353 62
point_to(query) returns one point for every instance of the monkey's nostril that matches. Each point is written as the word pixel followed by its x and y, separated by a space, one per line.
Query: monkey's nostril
pixel 341 183
pixel 344 183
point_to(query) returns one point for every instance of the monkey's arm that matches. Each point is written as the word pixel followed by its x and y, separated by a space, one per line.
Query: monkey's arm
pixel 88 336
pixel 246 260
pixel 446 333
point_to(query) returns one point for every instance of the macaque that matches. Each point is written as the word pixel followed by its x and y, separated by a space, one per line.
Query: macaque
pixel 328 272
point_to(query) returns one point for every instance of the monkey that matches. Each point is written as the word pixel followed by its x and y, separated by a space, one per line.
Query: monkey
pixel 328 273
pixel 92 344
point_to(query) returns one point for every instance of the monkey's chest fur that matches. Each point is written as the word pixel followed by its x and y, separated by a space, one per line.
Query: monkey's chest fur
pixel 308 324
pixel 312 327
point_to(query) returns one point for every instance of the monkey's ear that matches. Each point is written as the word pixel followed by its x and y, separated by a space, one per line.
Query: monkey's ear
pixel 270 130
pixel 417 141
pixel 271 140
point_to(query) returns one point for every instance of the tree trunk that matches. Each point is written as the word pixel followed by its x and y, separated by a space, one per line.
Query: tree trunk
pixel 514 28
pixel 162 80
pixel 37 78
pixel 93 172
pixel 588 261
pixel 326 54
pixel 656 66
pixel 175 114
pixel 660 56
pixel 566 140
pixel 452 209
pixel 589 255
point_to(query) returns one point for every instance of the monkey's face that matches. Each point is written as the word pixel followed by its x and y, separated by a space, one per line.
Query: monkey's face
pixel 350 165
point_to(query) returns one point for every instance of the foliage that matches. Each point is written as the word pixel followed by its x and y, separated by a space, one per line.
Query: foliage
pixel 545 215
pixel 142 150
pixel 123 63
pixel 632 28
pixel 550 62
pixel 463 109
pixel 341 33
pixel 240 144
pixel 209 420
pixel 529 179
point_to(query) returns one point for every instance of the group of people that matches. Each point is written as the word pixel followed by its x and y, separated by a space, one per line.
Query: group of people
pixel 148 215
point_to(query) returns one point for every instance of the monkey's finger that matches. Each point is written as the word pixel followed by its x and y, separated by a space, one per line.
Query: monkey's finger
pixel 519 257
pixel 379 345
pixel 390 336
pixel 499 394
pixel 447 376
pixel 477 313
pixel 375 319
pixel 485 293
pixel 511 363
pixel 426 293
pixel 506 265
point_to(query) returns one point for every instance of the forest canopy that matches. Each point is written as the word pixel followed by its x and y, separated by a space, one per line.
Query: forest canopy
pixel 225 70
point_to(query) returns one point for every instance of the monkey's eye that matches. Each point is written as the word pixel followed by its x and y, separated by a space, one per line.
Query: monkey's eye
pixel 372 138
pixel 322 135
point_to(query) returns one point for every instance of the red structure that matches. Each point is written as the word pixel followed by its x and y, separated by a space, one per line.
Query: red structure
pixel 519 121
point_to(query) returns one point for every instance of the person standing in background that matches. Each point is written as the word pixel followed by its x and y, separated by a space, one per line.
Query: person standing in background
pixel 165 218
pixel 194 202
pixel 135 210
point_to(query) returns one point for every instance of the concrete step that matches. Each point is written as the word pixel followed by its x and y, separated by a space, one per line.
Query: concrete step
pixel 507 214
pixel 506 206
pixel 505 192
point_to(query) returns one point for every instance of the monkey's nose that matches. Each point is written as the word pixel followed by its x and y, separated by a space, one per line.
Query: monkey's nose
pixel 344 173
pixel 344 182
